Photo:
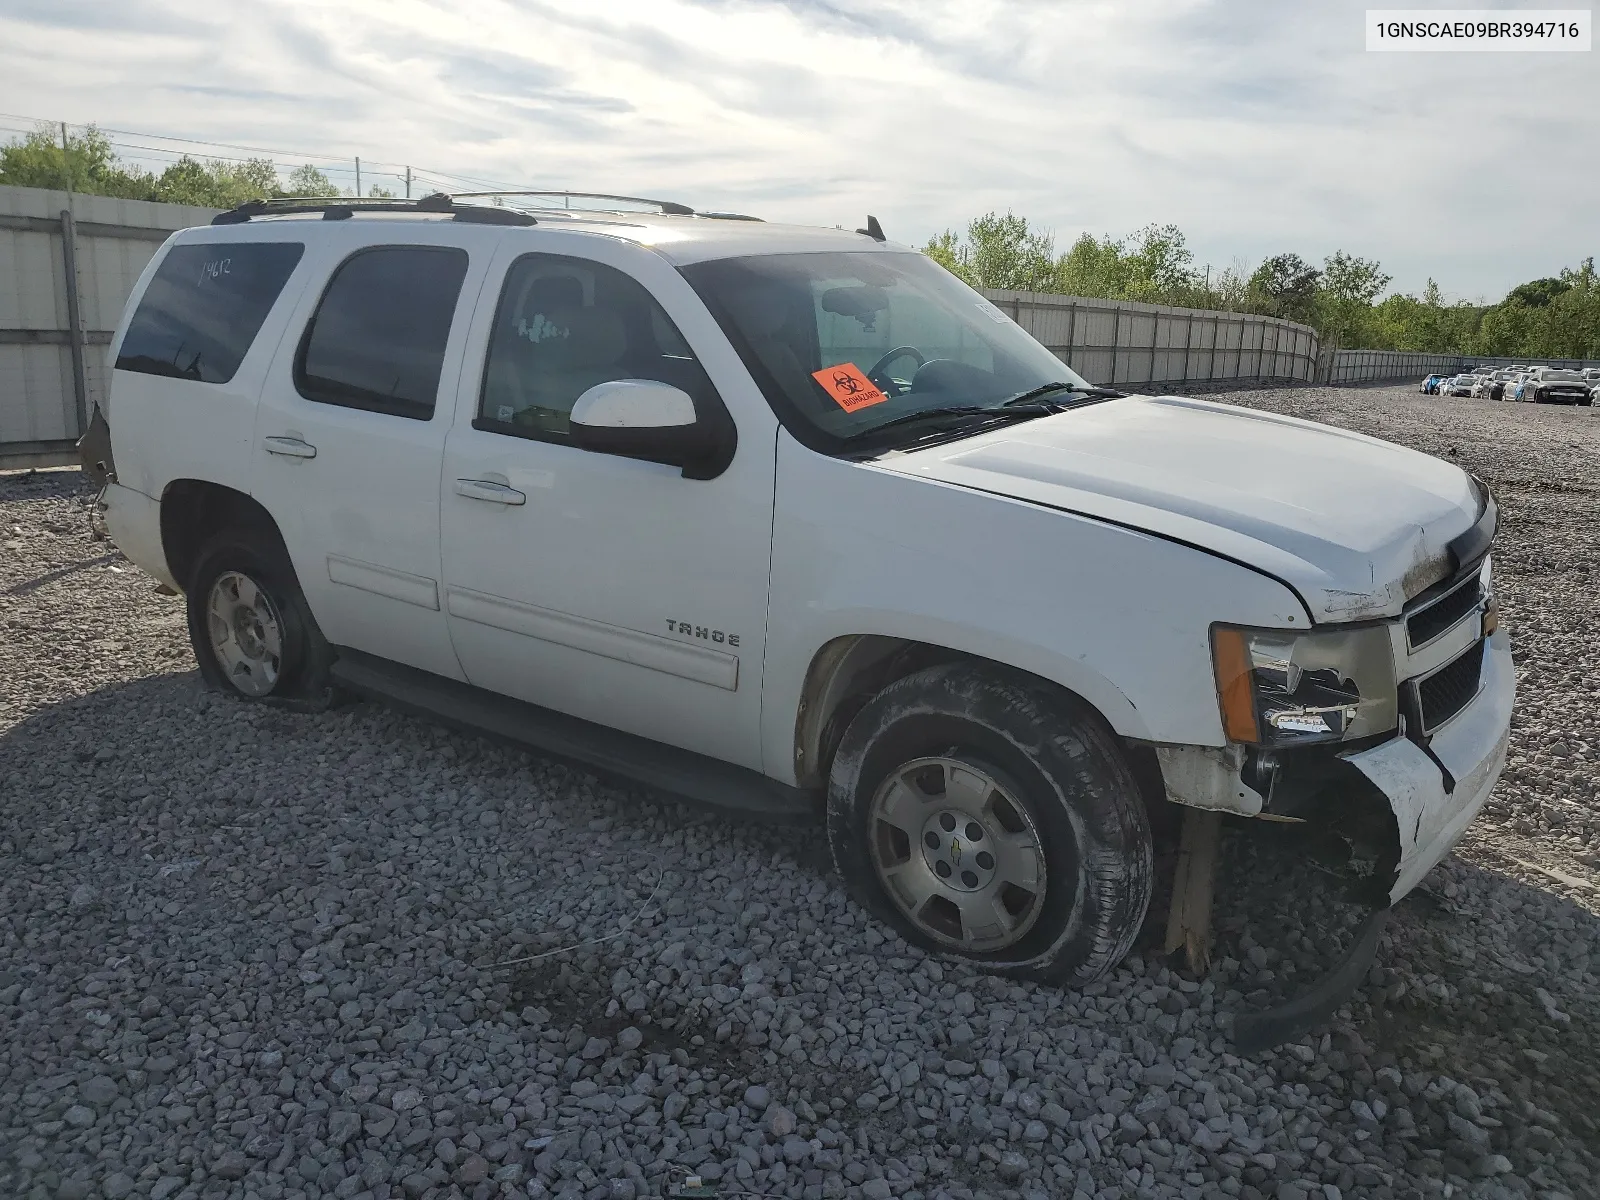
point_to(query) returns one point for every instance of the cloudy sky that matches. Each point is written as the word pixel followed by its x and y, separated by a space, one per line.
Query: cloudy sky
pixel 1255 125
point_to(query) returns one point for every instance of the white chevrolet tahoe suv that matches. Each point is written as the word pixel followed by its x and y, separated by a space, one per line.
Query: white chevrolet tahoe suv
pixel 788 520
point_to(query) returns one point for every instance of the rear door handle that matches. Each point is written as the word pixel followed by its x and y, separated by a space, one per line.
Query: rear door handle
pixel 485 489
pixel 292 447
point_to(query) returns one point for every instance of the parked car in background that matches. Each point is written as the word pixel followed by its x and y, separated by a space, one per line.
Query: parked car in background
pixel 1552 385
pixel 1430 385
pixel 1514 388
pixel 1481 387
pixel 1458 385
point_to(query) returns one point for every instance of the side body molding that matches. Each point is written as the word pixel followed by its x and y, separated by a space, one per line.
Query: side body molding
pixel 384 581
pixel 698 663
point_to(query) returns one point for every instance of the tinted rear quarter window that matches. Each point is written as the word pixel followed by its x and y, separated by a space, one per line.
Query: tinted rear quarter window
pixel 377 339
pixel 203 308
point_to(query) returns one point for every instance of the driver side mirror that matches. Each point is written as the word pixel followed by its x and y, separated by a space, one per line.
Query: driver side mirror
pixel 645 419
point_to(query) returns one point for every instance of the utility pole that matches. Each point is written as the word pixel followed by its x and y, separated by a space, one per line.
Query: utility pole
pixel 66 160
pixel 408 183
pixel 358 177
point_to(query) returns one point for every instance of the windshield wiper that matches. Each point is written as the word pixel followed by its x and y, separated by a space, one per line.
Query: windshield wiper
pixel 962 410
pixel 1044 389
pixel 1022 405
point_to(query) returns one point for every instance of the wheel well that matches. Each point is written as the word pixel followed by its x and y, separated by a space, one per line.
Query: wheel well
pixel 843 676
pixel 195 510
pixel 849 671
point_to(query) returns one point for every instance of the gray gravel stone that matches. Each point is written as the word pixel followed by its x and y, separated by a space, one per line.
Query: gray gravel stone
pixel 99 1091
pixel 231 1166
pixel 282 982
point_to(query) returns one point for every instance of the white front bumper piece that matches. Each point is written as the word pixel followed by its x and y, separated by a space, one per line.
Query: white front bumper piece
pixel 1430 814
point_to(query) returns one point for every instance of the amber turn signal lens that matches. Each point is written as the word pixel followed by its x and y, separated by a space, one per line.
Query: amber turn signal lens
pixel 1491 618
pixel 1231 657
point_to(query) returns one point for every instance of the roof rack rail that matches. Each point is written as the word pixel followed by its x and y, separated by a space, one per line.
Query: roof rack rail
pixel 670 207
pixel 341 208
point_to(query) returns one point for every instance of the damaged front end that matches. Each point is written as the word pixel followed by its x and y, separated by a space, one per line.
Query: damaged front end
pixel 1380 740
pixel 1406 794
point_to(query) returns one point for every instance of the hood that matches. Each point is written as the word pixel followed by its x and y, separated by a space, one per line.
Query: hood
pixel 1355 525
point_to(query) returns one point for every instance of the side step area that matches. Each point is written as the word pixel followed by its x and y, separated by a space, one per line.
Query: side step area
pixel 685 774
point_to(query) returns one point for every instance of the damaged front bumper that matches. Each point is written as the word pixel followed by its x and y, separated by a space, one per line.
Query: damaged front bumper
pixel 1437 790
pixel 1405 801
pixel 1434 793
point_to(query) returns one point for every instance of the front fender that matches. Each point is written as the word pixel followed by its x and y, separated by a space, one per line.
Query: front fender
pixel 1119 617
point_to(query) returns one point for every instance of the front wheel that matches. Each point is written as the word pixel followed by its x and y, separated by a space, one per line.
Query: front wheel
pixel 249 625
pixel 986 814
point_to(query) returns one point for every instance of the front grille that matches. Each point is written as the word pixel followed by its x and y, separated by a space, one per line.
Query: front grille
pixel 1428 623
pixel 1450 689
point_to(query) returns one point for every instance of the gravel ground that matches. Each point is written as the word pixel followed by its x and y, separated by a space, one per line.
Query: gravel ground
pixel 250 952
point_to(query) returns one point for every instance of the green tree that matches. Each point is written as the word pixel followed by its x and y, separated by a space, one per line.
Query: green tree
pixel 1537 293
pixel 217 184
pixel 86 164
pixel 308 181
pixel 1160 265
pixel 1093 267
pixel 90 165
pixel 998 252
pixel 1285 285
pixel 945 249
pixel 1556 317
pixel 1348 288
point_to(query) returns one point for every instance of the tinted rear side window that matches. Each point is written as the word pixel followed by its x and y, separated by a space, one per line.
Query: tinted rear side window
pixel 377 339
pixel 203 308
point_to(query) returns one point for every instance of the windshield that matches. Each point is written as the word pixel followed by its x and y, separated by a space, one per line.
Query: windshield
pixel 843 343
pixel 1562 377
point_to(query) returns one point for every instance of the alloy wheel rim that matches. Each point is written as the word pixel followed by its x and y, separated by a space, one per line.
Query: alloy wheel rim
pixel 246 633
pixel 957 853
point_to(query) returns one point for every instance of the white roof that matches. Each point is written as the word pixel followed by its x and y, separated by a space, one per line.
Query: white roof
pixel 697 238
pixel 680 239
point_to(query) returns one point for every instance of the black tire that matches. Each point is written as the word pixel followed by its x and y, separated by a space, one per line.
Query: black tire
pixel 1064 767
pixel 303 656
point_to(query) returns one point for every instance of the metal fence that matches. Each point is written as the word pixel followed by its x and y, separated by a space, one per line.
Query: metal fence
pixel 1124 342
pixel 1373 366
pixel 1566 364
pixel 67 264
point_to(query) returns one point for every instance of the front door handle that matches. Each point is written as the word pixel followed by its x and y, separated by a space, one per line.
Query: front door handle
pixel 291 447
pixel 486 489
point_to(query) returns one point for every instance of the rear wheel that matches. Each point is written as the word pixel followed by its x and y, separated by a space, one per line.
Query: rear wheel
pixel 249 626
pixel 990 816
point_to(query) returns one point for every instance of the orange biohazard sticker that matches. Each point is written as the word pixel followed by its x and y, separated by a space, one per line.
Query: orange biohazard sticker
pixel 850 389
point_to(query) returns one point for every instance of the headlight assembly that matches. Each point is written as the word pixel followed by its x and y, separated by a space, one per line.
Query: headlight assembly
pixel 1279 687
